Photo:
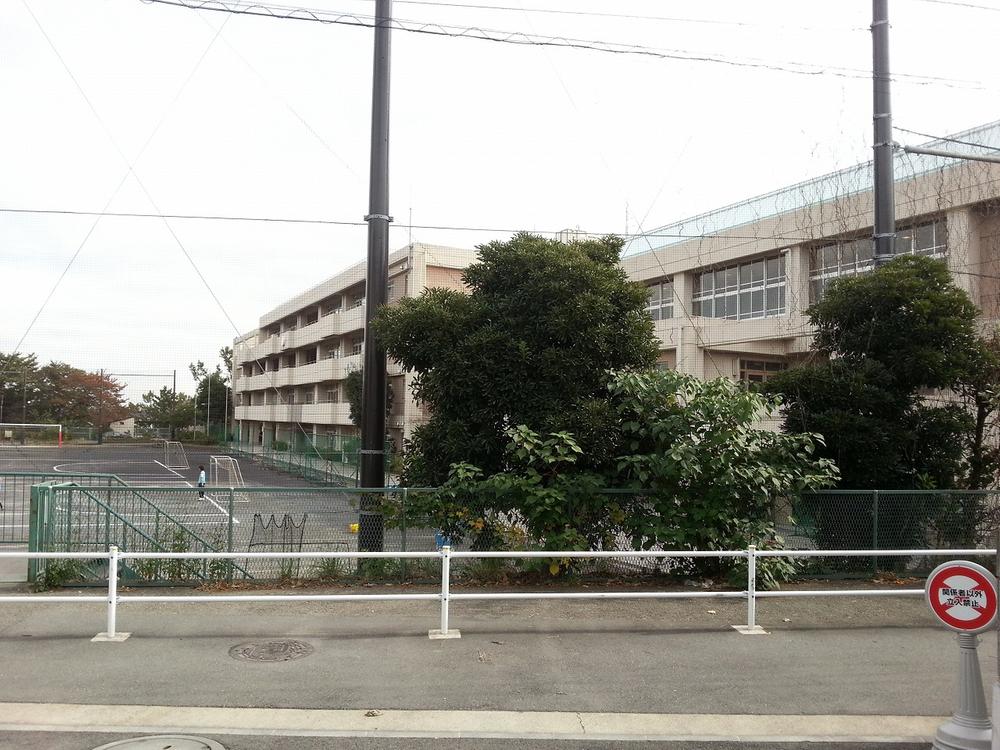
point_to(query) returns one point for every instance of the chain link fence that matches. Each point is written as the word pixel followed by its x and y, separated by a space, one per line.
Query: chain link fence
pixel 79 517
pixel 887 519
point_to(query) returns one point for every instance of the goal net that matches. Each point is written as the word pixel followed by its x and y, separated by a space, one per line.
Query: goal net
pixel 174 456
pixel 30 434
pixel 225 472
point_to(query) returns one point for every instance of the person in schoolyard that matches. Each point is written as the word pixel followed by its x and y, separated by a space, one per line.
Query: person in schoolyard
pixel 201 481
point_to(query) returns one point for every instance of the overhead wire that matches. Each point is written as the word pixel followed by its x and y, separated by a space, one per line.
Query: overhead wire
pixel 349 223
pixel 944 138
pixel 131 170
pixel 605 14
pixel 99 215
pixel 290 13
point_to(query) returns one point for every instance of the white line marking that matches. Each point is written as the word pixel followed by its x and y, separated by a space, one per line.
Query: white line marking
pixel 207 496
pixel 557 725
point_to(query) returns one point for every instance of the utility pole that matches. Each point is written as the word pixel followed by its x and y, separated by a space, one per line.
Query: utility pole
pixel 885 209
pixel 208 407
pixel 370 524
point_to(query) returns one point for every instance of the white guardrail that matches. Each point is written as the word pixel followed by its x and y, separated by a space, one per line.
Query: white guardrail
pixel 114 556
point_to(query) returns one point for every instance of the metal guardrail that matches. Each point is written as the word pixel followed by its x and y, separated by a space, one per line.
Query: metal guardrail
pixel 112 599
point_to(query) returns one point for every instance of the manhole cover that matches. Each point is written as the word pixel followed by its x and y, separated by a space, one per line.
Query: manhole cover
pixel 163 742
pixel 271 650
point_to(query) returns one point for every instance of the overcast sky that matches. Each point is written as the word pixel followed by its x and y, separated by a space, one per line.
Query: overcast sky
pixel 236 115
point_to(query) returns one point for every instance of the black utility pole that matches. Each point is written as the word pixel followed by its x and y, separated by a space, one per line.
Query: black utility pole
pixel 370 527
pixel 885 209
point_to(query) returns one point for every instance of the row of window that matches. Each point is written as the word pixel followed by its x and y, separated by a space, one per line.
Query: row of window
pixel 851 257
pixel 742 291
pixel 756 289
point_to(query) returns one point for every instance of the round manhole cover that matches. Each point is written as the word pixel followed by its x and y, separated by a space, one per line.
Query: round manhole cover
pixel 163 742
pixel 271 650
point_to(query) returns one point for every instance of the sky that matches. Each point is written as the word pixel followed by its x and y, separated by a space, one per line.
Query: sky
pixel 131 106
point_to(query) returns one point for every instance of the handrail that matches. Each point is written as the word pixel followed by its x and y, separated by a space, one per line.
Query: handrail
pixel 445 554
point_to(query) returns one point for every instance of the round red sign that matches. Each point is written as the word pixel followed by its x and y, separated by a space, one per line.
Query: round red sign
pixel 963 595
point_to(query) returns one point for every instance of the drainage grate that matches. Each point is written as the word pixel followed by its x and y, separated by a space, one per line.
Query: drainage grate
pixel 271 650
pixel 163 742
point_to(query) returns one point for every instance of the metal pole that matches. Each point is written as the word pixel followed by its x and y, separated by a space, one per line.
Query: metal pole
pixel 885 217
pixel 112 592
pixel 752 587
pixel 995 741
pixel 445 587
pixel 229 534
pixel 950 154
pixel 969 727
pixel 208 406
pixel 370 537
pixel 175 382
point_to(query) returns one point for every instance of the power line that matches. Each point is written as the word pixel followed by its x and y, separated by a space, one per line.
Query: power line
pixel 344 223
pixel 288 13
pixel 626 16
pixel 961 5
pixel 944 138
pixel 107 131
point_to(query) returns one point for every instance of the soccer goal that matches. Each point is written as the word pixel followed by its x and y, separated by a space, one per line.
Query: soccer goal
pixel 225 472
pixel 174 456
pixel 30 434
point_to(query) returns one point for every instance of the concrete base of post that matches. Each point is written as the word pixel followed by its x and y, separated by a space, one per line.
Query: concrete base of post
pixel 996 715
pixel 952 736
pixel 969 728
pixel 105 638
pixel 441 635
pixel 750 630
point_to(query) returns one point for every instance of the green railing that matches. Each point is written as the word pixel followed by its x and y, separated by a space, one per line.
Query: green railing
pixel 888 519
pixel 72 517
pixel 324 466
pixel 15 497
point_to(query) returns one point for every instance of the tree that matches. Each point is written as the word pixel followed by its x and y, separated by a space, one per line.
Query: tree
pixel 166 409
pixel 703 475
pixel 353 387
pixel 213 397
pixel 908 316
pixel 18 387
pixel 882 340
pixel 531 343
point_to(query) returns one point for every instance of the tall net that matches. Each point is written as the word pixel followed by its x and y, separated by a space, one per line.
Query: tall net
pixel 174 456
pixel 225 472
pixel 30 434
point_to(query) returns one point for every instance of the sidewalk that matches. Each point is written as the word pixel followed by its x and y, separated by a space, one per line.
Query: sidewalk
pixel 842 657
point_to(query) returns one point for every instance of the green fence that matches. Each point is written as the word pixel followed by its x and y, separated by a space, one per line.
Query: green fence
pixel 15 498
pixel 338 466
pixel 888 519
pixel 95 511
pixel 69 517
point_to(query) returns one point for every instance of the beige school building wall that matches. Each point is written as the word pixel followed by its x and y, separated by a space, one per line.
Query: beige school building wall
pixel 731 301
pixel 289 373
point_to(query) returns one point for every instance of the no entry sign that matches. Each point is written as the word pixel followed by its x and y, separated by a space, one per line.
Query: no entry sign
pixel 963 595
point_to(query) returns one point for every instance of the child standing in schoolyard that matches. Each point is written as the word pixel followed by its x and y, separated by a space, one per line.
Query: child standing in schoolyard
pixel 201 481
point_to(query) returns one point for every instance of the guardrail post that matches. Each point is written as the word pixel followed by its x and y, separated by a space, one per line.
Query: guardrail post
pixel 111 635
pixel 444 632
pixel 229 535
pixel 875 530
pixel 751 628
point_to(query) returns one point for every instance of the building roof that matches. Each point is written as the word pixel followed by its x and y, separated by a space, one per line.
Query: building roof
pixel 852 180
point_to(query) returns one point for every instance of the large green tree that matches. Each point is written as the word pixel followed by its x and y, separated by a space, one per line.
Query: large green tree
pixel 530 343
pixel 890 345
pixel 165 409
pixel 693 470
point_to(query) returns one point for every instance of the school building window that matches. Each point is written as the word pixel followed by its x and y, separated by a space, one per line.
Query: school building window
pixel 760 370
pixel 743 291
pixel 660 304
